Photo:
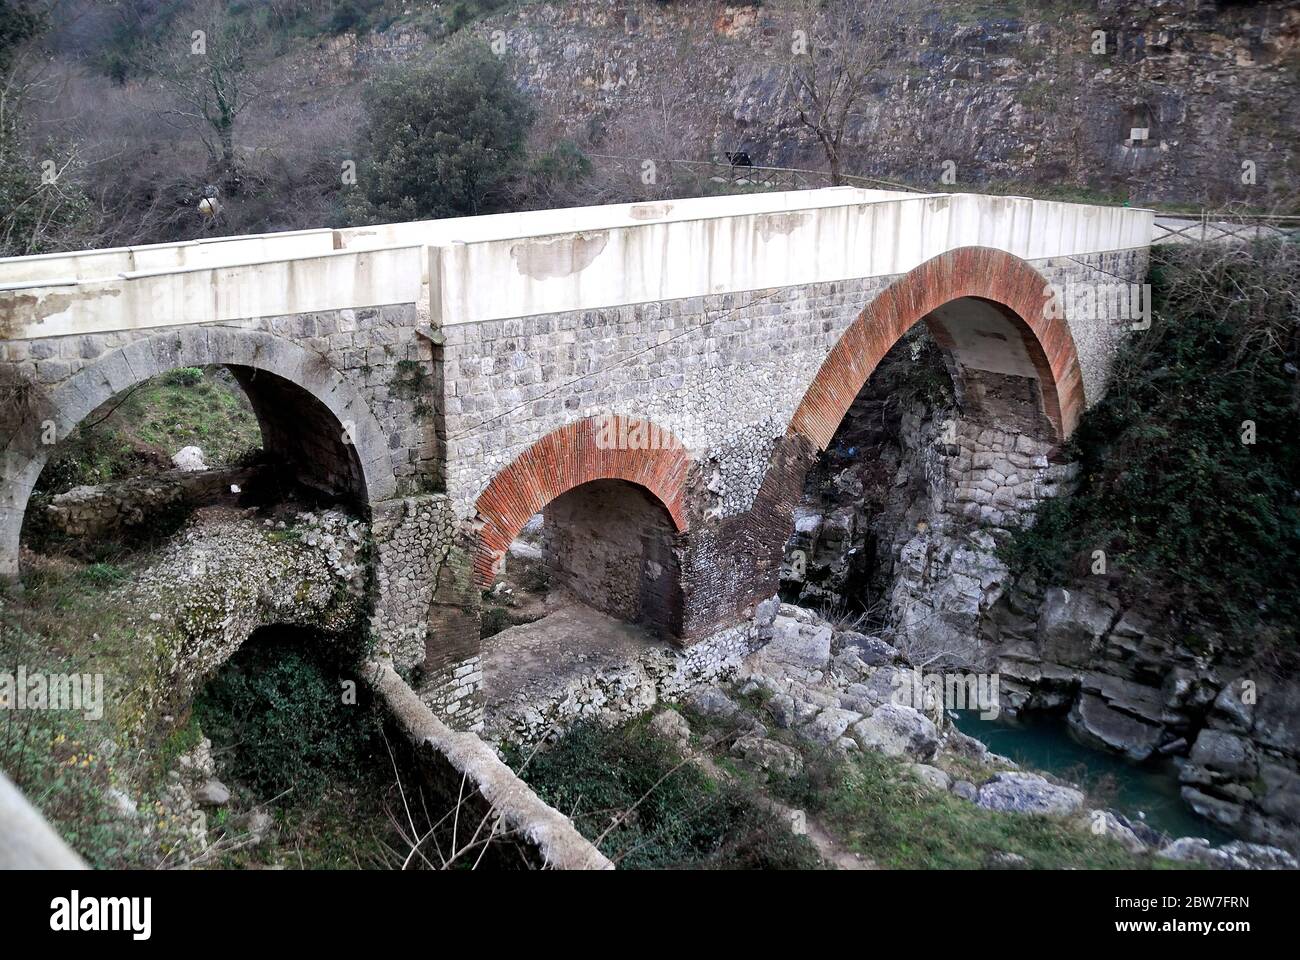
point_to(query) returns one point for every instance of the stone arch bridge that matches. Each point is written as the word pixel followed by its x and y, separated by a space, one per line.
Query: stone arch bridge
pixel 659 374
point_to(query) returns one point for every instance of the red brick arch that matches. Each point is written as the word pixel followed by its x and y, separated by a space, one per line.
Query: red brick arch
pixel 982 272
pixel 575 454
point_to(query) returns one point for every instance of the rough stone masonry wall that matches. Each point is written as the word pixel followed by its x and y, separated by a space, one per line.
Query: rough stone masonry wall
pixel 910 501
pixel 426 608
pixel 104 509
pixel 724 373
pixel 367 347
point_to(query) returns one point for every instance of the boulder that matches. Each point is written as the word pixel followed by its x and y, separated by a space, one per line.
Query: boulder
pixel 963 745
pixel 1071 624
pixel 1257 856
pixel 1281 797
pixel 712 702
pixel 966 790
pixel 671 725
pixel 1195 850
pixel 829 725
pixel 1097 723
pixel 873 651
pixel 1227 754
pixel 850 666
pixel 1277 717
pixel 213 793
pixel 189 459
pixel 768 755
pixel 1104 823
pixel 1029 793
pixel 898 731
pixel 1217 808
pixel 932 777
pixel 782 710
pixel 794 643
pixel 1231 709
pixel 1237 855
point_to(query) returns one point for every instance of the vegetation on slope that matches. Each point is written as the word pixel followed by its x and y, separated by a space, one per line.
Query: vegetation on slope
pixel 874 805
pixel 277 703
pixel 66 621
pixel 1191 462
pixel 631 794
pixel 139 431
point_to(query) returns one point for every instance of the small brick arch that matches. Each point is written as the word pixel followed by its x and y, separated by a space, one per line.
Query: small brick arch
pixel 572 455
pixel 981 272
pixel 75 398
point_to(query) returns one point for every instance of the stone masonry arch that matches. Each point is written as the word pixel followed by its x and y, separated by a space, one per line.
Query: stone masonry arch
pixel 69 402
pixel 596 448
pixel 980 273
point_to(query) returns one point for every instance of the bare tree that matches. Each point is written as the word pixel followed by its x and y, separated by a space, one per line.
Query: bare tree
pixel 838 50
pixel 204 62
pixel 41 206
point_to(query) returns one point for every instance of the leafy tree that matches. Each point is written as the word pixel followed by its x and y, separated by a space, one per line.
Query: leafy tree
pixel 442 139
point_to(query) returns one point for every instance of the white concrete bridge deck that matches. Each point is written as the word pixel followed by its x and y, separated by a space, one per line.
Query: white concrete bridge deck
pixel 536 262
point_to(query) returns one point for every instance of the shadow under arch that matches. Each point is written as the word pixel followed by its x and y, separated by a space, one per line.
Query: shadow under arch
pixel 595 448
pixel 1017 291
pixel 247 353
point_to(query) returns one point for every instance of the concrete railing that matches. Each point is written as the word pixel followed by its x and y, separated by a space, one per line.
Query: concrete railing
pixel 521 264
pixel 674 258
pixel 333 281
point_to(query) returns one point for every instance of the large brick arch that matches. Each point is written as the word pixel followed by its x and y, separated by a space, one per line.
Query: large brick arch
pixel 71 401
pixel 565 458
pixel 979 272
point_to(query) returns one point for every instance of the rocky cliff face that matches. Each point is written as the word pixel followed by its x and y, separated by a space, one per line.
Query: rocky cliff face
pixel 1148 687
pixel 1182 95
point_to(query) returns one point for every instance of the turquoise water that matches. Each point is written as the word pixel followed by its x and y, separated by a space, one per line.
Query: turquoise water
pixel 1044 743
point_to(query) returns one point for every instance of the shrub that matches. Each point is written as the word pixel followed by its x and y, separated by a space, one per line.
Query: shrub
pixel 280 703
pixel 184 377
pixel 442 139
pixel 672 813
pixel 1189 515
